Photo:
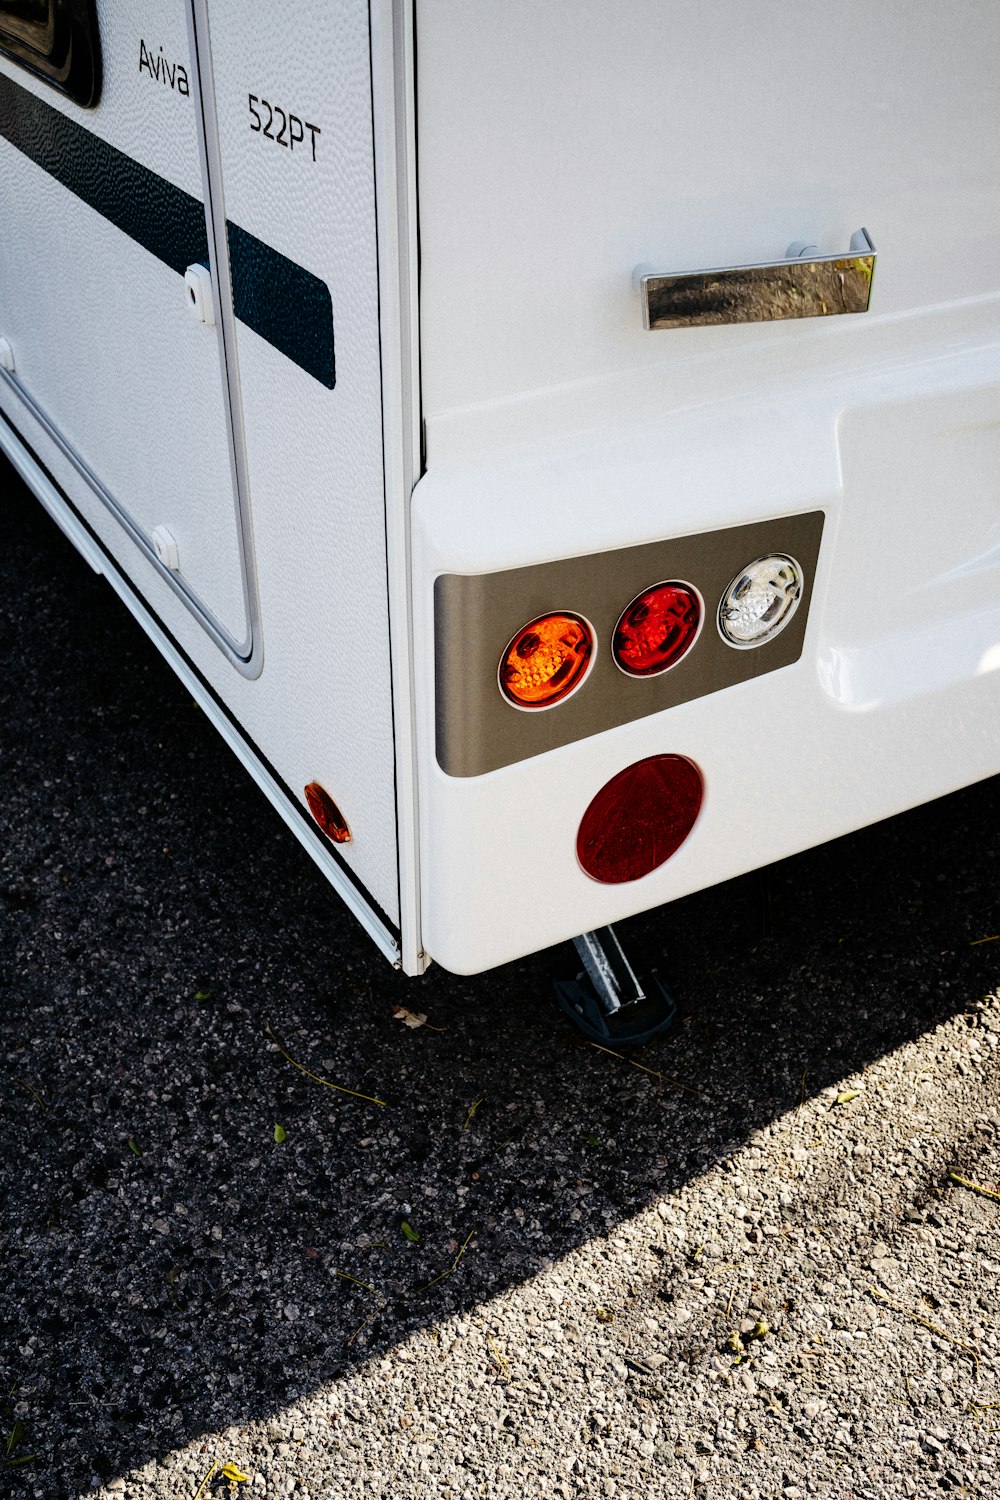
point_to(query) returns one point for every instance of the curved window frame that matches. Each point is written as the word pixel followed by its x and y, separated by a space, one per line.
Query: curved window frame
pixel 63 49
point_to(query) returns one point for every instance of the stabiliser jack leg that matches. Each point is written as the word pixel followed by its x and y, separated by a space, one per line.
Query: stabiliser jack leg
pixel 608 1001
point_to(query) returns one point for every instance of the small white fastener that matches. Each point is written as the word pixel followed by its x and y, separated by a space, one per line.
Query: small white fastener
pixel 200 294
pixel 6 355
pixel 166 548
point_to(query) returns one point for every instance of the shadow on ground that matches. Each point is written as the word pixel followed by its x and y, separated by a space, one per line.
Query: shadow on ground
pixel 170 1268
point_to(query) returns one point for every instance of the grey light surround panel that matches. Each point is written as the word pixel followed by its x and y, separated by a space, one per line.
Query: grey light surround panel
pixel 476 615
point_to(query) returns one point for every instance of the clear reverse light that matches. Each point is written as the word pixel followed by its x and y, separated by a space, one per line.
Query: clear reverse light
pixel 760 601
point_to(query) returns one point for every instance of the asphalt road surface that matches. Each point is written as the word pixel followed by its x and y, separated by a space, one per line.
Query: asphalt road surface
pixel 535 1269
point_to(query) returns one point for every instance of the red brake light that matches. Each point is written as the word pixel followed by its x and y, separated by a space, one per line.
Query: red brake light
pixel 657 629
pixel 639 818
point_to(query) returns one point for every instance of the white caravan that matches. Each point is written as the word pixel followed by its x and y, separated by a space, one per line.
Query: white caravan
pixel 557 444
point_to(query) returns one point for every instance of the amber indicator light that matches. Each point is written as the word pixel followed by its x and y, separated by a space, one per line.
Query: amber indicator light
pixel 327 814
pixel 639 818
pixel 546 660
pixel 657 629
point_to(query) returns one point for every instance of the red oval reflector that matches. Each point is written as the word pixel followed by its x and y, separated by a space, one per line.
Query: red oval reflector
pixel 656 629
pixel 640 818
pixel 326 812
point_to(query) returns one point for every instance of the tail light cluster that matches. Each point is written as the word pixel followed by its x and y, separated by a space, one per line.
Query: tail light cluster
pixel 550 657
pixel 644 813
pixel 530 658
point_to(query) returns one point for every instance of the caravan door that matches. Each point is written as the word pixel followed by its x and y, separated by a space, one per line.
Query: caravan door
pixel 105 293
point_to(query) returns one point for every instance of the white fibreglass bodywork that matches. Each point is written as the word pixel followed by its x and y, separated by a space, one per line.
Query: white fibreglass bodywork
pixel 100 329
pixel 561 147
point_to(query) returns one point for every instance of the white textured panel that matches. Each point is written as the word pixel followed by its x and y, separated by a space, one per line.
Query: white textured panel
pixel 145 118
pixel 106 346
pixel 322 708
pixel 103 338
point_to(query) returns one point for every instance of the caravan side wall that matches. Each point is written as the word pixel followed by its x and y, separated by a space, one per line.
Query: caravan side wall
pixel 256 443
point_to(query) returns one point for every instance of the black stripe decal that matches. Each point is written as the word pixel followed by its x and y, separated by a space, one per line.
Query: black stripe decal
pixel 163 219
pixel 280 300
pixel 285 304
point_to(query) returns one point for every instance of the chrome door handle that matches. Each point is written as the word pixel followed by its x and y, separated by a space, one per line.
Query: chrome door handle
pixel 803 285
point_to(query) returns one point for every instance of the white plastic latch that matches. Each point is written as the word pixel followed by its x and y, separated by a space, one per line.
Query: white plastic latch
pixel 166 548
pixel 6 356
pixel 200 293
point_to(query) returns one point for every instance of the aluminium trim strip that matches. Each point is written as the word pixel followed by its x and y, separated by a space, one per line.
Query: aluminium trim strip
pixel 210 154
pixel 394 141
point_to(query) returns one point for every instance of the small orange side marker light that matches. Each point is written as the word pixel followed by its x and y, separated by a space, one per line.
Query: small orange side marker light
pixel 327 814
pixel 546 660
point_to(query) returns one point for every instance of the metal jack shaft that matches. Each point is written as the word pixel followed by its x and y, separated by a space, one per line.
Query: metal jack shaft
pixel 608 1002
pixel 613 977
